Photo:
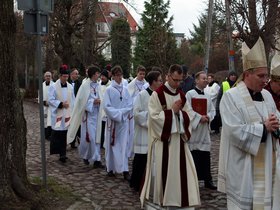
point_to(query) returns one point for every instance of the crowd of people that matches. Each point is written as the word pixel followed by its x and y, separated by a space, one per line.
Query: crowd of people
pixel 165 128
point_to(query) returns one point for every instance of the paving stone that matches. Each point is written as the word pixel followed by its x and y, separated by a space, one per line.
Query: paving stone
pixel 100 191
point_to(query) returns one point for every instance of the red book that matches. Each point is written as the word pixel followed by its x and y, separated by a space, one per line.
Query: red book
pixel 199 105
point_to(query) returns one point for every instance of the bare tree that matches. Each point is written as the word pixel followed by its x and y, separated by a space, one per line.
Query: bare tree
pixel 253 19
pixel 67 22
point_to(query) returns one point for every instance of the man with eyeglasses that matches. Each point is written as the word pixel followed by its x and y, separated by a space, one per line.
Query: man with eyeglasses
pixel 247 147
pixel 170 179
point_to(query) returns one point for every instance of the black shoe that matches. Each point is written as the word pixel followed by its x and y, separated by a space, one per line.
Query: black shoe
pixel 98 164
pixel 210 185
pixel 111 174
pixel 62 159
pixel 126 176
pixel 73 146
pixel 86 162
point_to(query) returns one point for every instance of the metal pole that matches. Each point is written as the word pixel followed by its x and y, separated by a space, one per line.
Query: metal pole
pixel 230 43
pixel 40 75
pixel 208 36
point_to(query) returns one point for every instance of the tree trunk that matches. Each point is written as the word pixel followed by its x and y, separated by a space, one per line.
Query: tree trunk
pixel 13 176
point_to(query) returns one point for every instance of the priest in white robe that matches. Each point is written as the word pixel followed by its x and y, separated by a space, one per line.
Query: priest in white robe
pixel 104 84
pixel 213 89
pixel 273 87
pixel 170 179
pixel 117 106
pixel 200 141
pixel 86 113
pixel 247 149
pixel 61 101
pixel 134 88
pixel 140 111
pixel 47 111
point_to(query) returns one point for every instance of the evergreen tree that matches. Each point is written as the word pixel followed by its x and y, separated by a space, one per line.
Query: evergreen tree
pixel 121 44
pixel 156 44
pixel 218 59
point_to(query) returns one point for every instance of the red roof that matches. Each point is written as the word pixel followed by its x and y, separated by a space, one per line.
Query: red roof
pixel 108 11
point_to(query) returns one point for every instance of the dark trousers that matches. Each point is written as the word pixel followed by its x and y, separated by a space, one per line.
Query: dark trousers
pixel 202 164
pixel 138 170
pixel 216 123
pixel 48 132
pixel 103 133
pixel 58 143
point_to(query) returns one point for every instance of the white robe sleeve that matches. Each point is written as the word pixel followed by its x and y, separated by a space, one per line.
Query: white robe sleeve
pixel 211 112
pixel 140 114
pixel 52 97
pixel 195 120
pixel 246 136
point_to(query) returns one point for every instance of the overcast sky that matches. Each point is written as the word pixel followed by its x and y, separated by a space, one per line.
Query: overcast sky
pixel 185 12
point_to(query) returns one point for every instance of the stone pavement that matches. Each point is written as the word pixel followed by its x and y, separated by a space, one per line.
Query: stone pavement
pixel 98 190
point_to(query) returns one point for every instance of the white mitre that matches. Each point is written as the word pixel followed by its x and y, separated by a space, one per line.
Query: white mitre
pixel 254 57
pixel 275 67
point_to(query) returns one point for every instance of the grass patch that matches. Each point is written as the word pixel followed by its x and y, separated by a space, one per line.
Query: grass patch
pixel 56 195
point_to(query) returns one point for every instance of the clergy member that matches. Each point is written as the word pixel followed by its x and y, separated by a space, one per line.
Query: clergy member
pixel 140 111
pixel 117 106
pixel 200 142
pixel 134 87
pixel 105 82
pixel 247 155
pixel 61 100
pixel 273 86
pixel 47 111
pixel 170 179
pixel 87 113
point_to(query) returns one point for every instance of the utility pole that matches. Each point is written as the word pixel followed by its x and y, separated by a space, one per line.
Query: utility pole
pixel 231 52
pixel 208 35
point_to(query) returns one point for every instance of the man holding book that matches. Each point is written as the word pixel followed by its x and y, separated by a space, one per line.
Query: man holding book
pixel 200 143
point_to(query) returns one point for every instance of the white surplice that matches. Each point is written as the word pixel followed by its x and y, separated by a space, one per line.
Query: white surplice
pixel 90 148
pixel 117 105
pixel 246 166
pixel 140 111
pixel 212 91
pixel 47 110
pixel 56 95
pixel 200 139
pixel 134 88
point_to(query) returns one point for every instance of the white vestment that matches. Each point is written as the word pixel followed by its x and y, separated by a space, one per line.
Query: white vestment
pixel 140 111
pixel 178 150
pixel 47 110
pixel 213 92
pixel 134 88
pixel 81 105
pixel 246 166
pixel 200 139
pixel 89 147
pixel 56 95
pixel 117 106
pixel 102 91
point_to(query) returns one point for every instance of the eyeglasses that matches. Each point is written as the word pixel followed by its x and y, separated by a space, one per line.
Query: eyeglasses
pixel 175 80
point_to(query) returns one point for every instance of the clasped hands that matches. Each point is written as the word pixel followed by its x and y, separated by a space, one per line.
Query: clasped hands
pixel 271 123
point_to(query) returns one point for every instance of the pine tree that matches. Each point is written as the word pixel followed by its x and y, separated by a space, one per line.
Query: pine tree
pixel 121 44
pixel 156 44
